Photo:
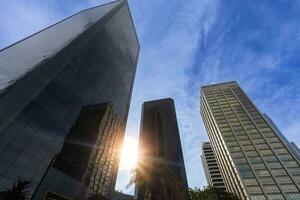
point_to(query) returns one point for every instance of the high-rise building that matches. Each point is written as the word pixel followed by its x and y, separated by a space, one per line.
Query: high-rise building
pixel 296 149
pixel 91 151
pixel 255 163
pixel 89 58
pixel 211 167
pixel 160 140
pixel 293 147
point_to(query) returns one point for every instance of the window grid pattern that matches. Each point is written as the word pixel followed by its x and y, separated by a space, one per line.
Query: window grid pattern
pixel 95 163
pixel 264 164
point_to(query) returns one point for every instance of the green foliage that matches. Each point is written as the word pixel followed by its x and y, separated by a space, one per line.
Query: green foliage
pixel 19 191
pixel 210 193
pixel 158 181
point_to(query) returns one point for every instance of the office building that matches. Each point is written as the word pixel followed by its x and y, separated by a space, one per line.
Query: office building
pixel 91 152
pixel 211 167
pixel 160 140
pixel 296 149
pixel 89 58
pixel 293 147
pixel 255 163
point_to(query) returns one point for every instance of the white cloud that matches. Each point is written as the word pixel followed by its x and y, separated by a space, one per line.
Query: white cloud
pixel 162 72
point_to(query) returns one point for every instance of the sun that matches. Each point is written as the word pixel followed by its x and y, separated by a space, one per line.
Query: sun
pixel 129 154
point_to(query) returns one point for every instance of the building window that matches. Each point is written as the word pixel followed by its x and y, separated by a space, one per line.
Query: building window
pixel 266 152
pixel 262 173
pixel 294 171
pixel 246 174
pixel 276 197
pixel 274 165
pixel 271 189
pixel 267 180
pixel 255 160
pixel 291 164
pixel 281 151
pixel 289 188
pixel 251 153
pixel 240 160
pixel 237 155
pixel 285 157
pixel 270 158
pixel 243 167
pixel 293 196
pixel 258 166
pixel 250 181
pixel 262 146
pixel 278 172
pixel 284 179
pixel 253 189
pixel 248 148
pixel 257 197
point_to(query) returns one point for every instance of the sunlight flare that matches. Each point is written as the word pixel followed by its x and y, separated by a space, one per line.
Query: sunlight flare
pixel 129 154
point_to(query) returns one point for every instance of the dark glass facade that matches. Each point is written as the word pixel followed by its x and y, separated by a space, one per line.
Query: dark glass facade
pixel 160 139
pixel 91 152
pixel 89 58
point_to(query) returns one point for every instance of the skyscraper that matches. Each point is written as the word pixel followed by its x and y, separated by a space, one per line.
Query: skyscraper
pixel 296 149
pixel 211 167
pixel 160 140
pixel 291 145
pixel 255 163
pixel 91 152
pixel 89 58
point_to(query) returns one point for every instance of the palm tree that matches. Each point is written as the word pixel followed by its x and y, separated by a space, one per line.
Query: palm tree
pixel 19 191
pixel 210 193
pixel 158 180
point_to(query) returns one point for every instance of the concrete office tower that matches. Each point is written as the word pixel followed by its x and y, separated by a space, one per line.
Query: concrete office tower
pixel 296 149
pixel 255 163
pixel 160 140
pixel 86 59
pixel 211 168
pixel 291 145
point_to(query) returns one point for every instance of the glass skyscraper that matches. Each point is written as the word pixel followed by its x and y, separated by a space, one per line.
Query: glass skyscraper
pixel 89 58
pixel 254 162
pixel 90 154
pixel 160 140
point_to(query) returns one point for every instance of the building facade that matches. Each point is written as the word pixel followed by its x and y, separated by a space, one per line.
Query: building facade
pixel 89 58
pixel 211 167
pixel 254 162
pixel 91 152
pixel 296 149
pixel 160 140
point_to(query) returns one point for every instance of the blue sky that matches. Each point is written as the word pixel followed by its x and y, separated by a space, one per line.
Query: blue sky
pixel 185 44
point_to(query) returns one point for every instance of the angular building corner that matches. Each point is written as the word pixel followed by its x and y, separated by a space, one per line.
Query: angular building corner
pixel 255 163
pixel 87 59
pixel 159 144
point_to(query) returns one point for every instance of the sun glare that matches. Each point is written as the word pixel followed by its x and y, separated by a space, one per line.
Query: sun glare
pixel 129 153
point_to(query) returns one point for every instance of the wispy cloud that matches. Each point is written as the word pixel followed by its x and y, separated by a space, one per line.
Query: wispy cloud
pixel 19 19
pixel 169 37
